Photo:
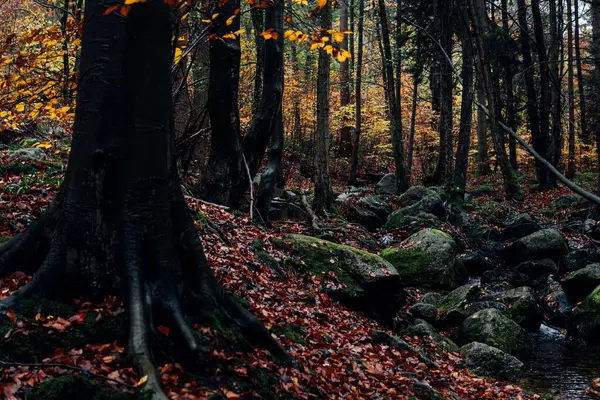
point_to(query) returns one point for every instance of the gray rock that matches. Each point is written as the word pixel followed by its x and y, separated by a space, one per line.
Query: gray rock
pixel 524 308
pixel 577 259
pixel 585 319
pixel 520 226
pixel 413 223
pixel 547 243
pixel 425 259
pixel 497 276
pixel 494 328
pixel 477 262
pixel 491 362
pixel 387 184
pixel 379 205
pixel 431 298
pixel 556 304
pixel 428 312
pixel 538 271
pixel 425 329
pixel 414 194
pixel 567 201
pixel 579 284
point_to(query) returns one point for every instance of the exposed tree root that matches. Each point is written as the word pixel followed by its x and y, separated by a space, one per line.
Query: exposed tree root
pixel 164 278
pixel 313 217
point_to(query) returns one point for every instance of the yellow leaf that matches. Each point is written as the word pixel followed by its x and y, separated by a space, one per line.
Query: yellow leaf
pixel 143 380
pixel 64 109
pixel 230 20
pixel 322 3
pixel 20 107
pixel 134 1
pixel 229 36
pixel 239 32
pixel 178 53
pixel 338 37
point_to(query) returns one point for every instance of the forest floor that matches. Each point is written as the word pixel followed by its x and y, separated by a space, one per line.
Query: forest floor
pixel 337 354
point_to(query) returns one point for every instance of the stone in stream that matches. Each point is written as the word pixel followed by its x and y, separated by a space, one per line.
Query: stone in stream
pixel 524 308
pixel 585 319
pixel 547 243
pixel 578 284
pixel 557 306
pixel 367 282
pixel 427 259
pixel 491 362
pixel 494 328
pixel 538 271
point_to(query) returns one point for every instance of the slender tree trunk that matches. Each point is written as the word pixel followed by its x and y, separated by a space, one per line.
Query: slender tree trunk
pixel 345 137
pixel 351 49
pixel 537 135
pixel 258 25
pixel 478 17
pixel 398 55
pixel 583 123
pixel 466 114
pixel 120 223
pixel 444 165
pixel 297 120
pixel 596 53
pixel 64 20
pixel 483 162
pixel 508 85
pixel 544 104
pixel 571 89
pixel 555 67
pixel 226 168
pixel 358 97
pixel 323 193
pixel 417 74
pixel 395 119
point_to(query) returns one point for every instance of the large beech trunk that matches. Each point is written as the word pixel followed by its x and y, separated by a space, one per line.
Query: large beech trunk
pixel 120 223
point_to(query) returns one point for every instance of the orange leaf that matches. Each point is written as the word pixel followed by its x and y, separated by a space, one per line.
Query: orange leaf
pixel 111 9
pixel 125 10
pixel 164 330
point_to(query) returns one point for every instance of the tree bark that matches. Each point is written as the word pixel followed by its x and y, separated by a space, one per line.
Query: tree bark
pixel 394 109
pixel 120 224
pixel 345 137
pixel 544 104
pixel 358 97
pixel 571 90
pixel 444 165
pixel 265 121
pixel 508 88
pixel 258 24
pixel 466 113
pixel 417 76
pixel 225 167
pixel 323 194
pixel 583 123
pixel 537 134
pixel 483 162
pixel 556 38
pixel 477 16
pixel 596 52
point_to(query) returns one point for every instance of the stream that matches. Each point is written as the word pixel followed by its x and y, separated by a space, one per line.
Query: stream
pixel 561 365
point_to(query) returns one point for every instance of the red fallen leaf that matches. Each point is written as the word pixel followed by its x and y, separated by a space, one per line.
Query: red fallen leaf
pixel 9 390
pixel 164 330
pixel 10 314
pixel 232 395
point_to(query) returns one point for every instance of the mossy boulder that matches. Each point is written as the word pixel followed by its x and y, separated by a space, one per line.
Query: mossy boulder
pixel 579 284
pixel 491 362
pixel 494 328
pixel 76 387
pixel 427 258
pixel 412 223
pixel 367 281
pixel 387 185
pixel 547 243
pixel 538 271
pixel 424 329
pixel 577 259
pixel 585 319
pixel 414 194
pixel 524 307
pixel 567 201
pixel 520 226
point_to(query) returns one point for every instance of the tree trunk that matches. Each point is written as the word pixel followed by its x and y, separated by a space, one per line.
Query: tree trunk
pixel 596 53
pixel 64 20
pixel 398 55
pixel 537 135
pixel 264 123
pixel 444 164
pixel 583 123
pixel 417 76
pixel 571 90
pixel 351 49
pixel 358 96
pixel 120 224
pixel 258 24
pixel 508 87
pixel 466 114
pixel 225 166
pixel 544 104
pixel 477 15
pixel 394 108
pixel 483 162
pixel 323 193
pixel 555 138
pixel 345 138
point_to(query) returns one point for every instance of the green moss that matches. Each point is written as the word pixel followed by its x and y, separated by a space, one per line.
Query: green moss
pixel 4 239
pixel 295 333
pixel 75 387
pixel 17 168
pixel 263 255
pixel 408 261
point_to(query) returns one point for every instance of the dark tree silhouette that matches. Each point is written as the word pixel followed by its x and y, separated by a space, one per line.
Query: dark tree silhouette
pixel 120 223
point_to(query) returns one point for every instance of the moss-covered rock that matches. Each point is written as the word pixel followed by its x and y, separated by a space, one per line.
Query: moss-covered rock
pixel 578 284
pixel 424 329
pixel 567 201
pixel 431 204
pixel 492 362
pixel 547 243
pixel 75 387
pixel 524 308
pixel 426 258
pixel 412 223
pixel 495 329
pixel 585 319
pixel 368 281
